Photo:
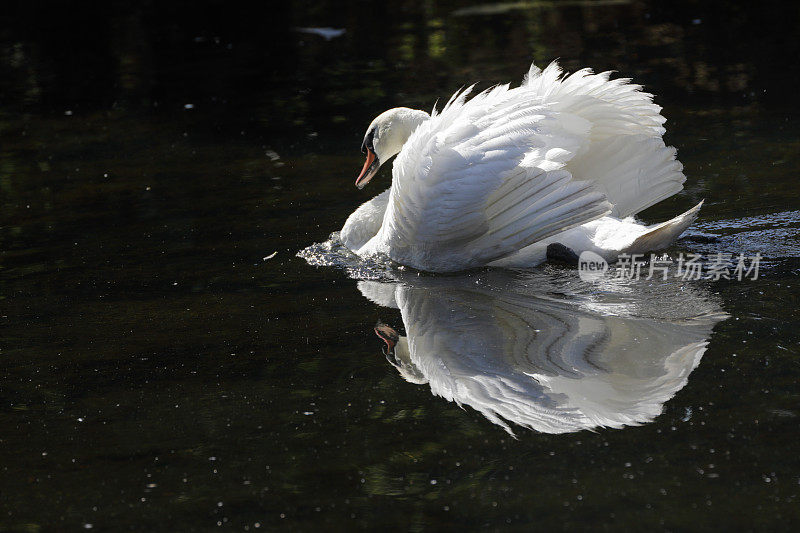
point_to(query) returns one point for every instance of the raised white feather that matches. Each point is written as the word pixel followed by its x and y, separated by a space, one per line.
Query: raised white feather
pixel 487 179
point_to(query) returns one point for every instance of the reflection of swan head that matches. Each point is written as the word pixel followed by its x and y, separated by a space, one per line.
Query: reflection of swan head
pixel 551 363
pixel 396 352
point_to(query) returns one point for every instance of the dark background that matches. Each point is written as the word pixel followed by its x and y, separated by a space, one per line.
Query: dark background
pixel 246 61
pixel 156 372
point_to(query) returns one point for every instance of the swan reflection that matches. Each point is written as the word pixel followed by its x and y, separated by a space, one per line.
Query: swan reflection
pixel 527 349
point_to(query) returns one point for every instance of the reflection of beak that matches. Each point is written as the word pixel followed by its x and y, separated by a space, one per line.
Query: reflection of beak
pixel 388 335
pixel 370 168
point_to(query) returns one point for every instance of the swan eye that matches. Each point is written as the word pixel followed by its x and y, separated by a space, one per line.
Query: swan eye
pixel 368 142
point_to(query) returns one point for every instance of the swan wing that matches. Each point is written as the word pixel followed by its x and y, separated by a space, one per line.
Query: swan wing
pixel 623 153
pixel 484 178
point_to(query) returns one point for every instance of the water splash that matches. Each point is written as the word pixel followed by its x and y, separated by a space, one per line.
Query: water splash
pixel 333 253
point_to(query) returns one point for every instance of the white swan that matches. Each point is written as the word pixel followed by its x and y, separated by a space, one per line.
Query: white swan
pixel 495 179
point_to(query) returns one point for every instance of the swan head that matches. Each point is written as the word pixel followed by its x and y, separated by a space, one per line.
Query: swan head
pixel 385 138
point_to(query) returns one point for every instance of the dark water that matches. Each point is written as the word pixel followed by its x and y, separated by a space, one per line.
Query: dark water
pixel 158 373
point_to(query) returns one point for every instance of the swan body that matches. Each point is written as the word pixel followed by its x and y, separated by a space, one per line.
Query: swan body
pixel 494 179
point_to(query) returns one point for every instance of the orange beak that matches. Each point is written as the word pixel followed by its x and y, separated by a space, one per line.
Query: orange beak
pixel 371 166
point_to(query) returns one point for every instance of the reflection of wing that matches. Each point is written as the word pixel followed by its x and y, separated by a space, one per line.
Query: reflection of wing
pixel 539 362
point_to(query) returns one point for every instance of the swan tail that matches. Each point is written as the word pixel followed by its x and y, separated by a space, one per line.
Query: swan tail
pixel 533 205
pixel 662 235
